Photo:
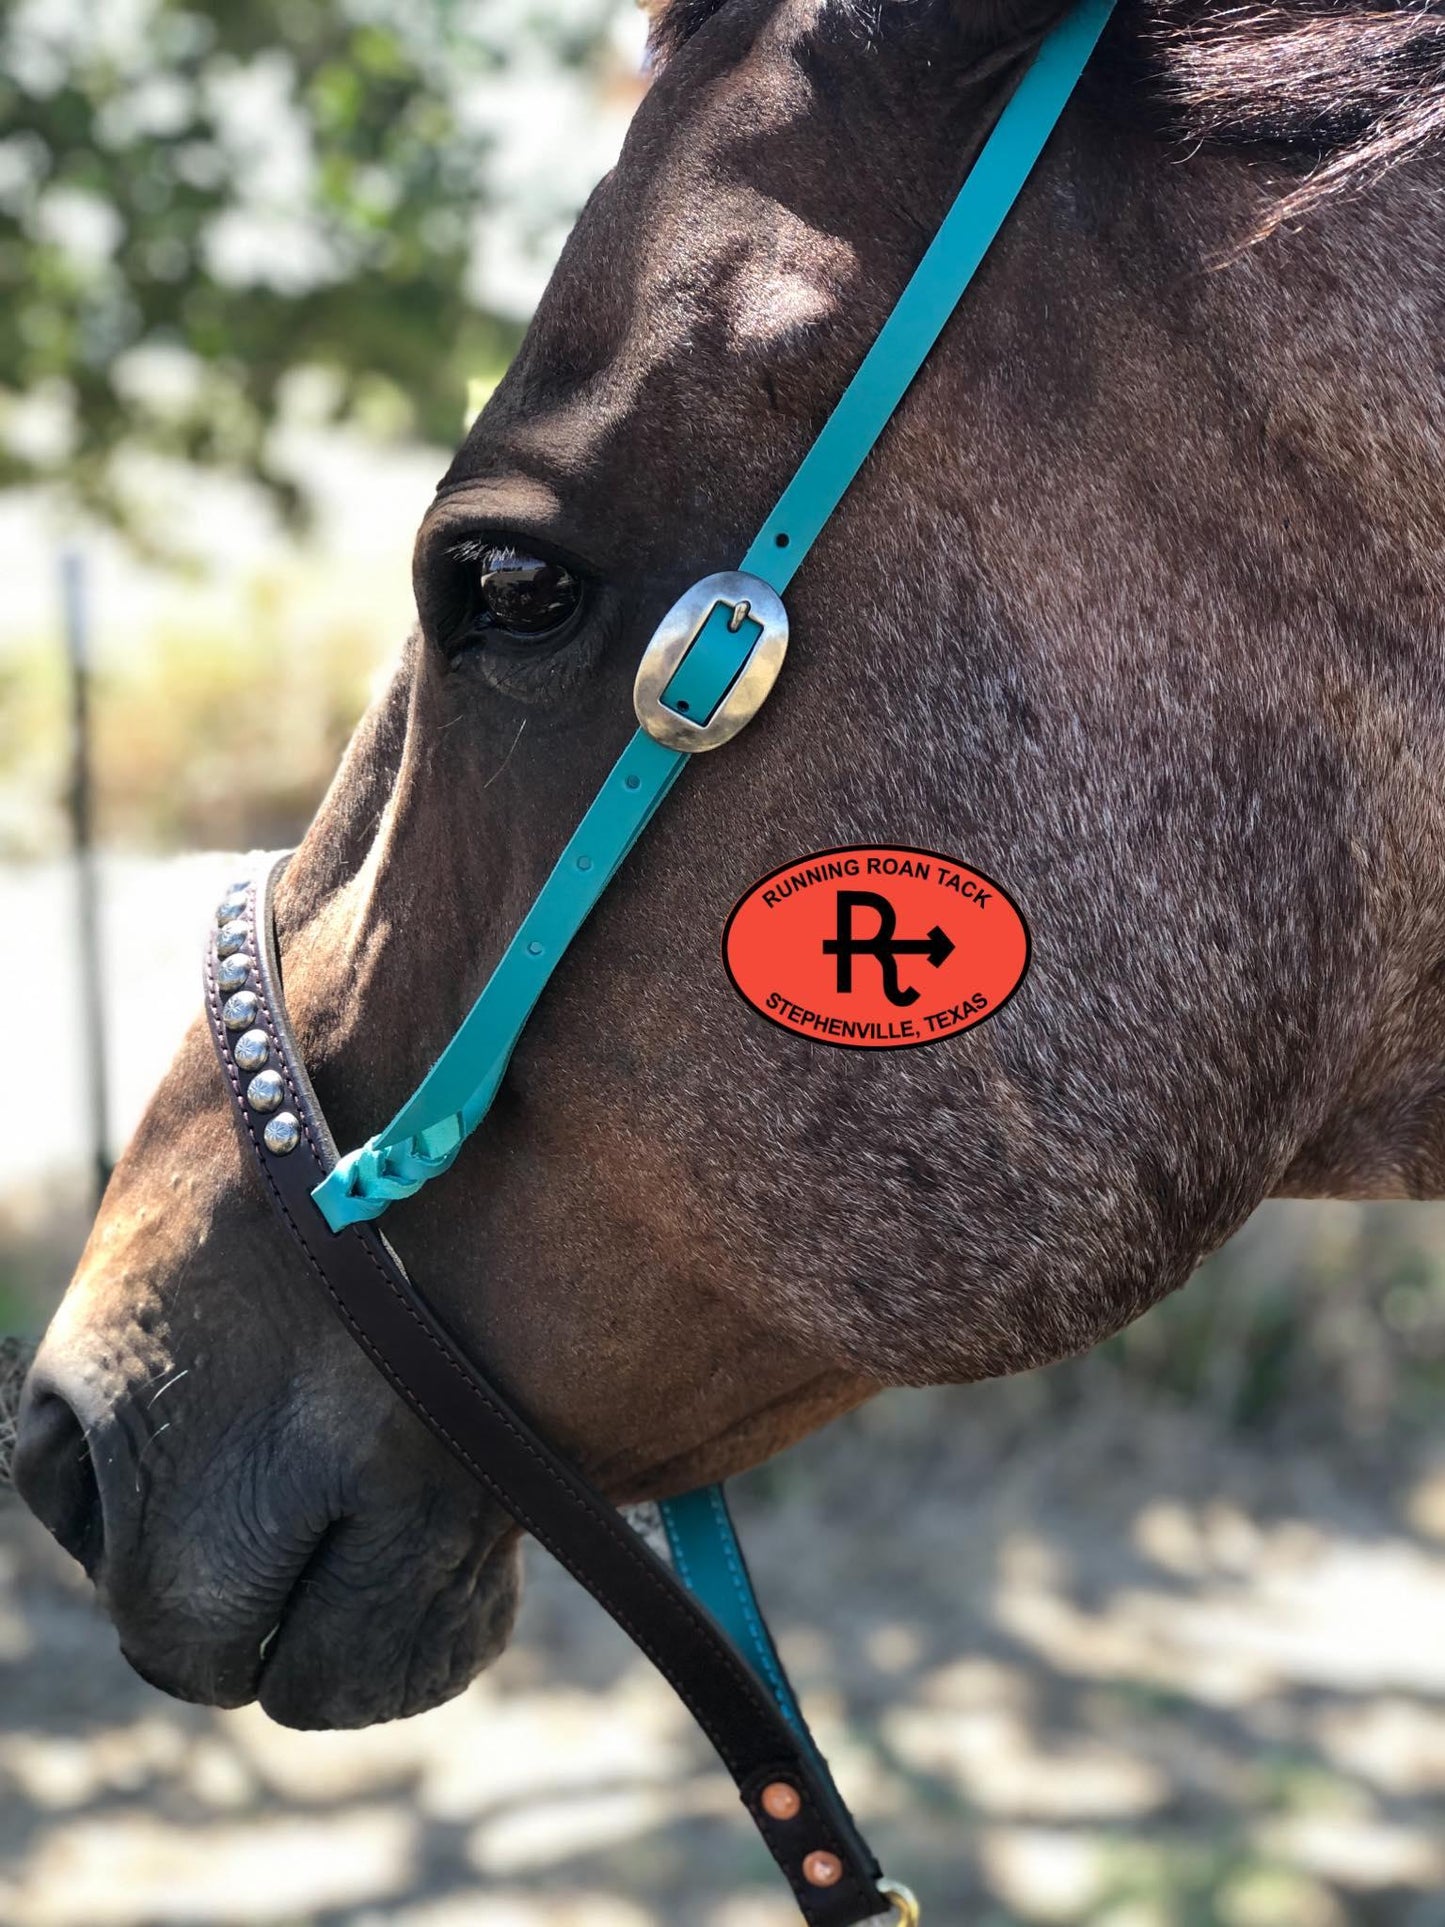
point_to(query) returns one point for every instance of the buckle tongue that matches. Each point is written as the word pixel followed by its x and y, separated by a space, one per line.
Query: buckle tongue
pixel 712 662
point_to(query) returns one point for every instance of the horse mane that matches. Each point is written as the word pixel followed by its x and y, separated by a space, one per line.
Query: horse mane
pixel 1349 87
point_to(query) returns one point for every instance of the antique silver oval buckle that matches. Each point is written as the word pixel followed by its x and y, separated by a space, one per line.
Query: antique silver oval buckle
pixel 712 662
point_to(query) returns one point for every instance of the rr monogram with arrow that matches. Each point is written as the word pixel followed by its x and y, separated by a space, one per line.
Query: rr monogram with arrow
pixel 931 950
pixel 883 945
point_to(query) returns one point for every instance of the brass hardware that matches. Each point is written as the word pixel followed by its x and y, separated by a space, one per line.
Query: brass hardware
pixel 822 1869
pixel 781 1801
pixel 905 1905
pixel 745 599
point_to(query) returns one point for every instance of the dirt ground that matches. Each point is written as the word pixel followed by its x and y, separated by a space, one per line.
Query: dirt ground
pixel 1107 1667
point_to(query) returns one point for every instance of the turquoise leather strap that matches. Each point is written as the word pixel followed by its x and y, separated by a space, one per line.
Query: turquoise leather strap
pixel 954 256
pixel 424 1137
pixel 430 1128
pixel 709 1561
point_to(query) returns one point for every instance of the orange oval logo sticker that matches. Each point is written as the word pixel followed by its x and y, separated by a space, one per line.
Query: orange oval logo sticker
pixel 876 948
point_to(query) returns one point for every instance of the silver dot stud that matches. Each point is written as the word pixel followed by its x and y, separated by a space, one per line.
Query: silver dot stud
pixel 230 939
pixel 265 1091
pixel 282 1133
pixel 231 907
pixel 253 1051
pixel 241 1011
pixel 233 973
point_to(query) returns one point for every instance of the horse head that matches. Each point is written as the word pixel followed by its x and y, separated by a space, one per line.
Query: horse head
pixel 1136 607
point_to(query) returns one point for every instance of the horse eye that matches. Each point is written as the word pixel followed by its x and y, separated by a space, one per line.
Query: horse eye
pixel 521 595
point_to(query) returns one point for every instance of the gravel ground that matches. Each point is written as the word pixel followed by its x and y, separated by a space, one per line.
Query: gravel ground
pixel 1110 1667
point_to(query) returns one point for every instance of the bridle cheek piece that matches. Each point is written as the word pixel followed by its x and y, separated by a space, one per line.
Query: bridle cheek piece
pixel 708 669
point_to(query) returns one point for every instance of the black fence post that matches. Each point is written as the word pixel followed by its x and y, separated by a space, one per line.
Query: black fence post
pixel 80 806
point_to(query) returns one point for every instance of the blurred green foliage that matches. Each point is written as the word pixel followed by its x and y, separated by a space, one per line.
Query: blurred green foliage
pixel 1328 1317
pixel 200 197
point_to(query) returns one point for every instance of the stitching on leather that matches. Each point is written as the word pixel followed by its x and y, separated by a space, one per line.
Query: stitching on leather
pixel 260 939
pixel 806 1896
pixel 679 1555
pixel 811 1815
pixel 761 1643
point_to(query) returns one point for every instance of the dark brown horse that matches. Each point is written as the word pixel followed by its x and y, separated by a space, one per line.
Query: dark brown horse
pixel 1136 607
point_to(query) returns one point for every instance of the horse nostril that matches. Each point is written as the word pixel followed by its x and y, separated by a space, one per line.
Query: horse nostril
pixel 55 1478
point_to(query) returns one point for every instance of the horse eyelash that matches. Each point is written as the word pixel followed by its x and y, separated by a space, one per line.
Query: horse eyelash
pixel 477 547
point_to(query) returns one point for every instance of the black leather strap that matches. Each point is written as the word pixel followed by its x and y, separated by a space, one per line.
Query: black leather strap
pixel 282 1124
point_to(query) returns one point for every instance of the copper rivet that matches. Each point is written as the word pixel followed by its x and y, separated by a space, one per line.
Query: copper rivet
pixel 781 1801
pixel 822 1870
